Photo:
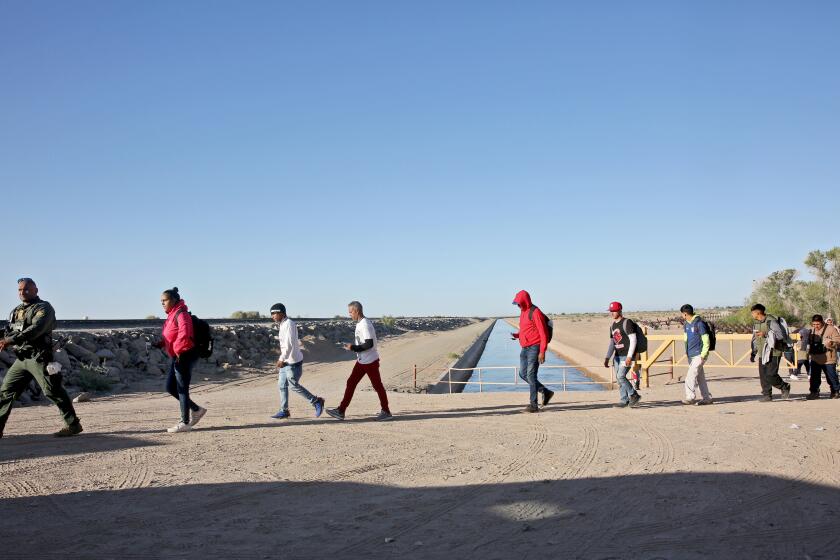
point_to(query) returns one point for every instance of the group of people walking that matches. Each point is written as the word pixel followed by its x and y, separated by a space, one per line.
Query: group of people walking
pixel 30 326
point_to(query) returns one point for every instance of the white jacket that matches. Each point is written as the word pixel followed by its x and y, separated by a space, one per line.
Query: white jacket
pixel 289 344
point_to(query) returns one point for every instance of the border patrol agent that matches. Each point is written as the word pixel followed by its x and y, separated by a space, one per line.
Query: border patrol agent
pixel 30 333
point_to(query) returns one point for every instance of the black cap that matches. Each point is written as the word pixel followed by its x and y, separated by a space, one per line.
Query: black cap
pixel 278 308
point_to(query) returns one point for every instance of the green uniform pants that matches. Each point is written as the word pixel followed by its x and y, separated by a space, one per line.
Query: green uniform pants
pixel 17 380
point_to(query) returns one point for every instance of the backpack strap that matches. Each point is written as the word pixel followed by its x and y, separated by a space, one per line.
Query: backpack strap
pixel 531 312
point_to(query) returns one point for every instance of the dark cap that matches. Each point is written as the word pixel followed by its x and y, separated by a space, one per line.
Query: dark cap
pixel 278 308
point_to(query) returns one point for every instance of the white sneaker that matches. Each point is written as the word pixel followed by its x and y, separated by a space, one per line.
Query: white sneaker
pixel 178 428
pixel 794 377
pixel 197 416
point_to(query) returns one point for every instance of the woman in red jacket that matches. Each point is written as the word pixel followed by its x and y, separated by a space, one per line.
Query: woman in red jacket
pixel 178 343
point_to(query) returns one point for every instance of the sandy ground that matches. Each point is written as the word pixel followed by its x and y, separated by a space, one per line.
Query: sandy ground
pixel 451 476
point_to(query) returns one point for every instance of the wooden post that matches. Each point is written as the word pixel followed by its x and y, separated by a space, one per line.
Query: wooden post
pixel 415 377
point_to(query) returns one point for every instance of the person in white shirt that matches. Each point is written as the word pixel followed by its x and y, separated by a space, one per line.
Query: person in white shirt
pixel 290 364
pixel 367 363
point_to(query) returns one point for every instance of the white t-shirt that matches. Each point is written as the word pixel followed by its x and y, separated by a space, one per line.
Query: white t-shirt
pixel 365 331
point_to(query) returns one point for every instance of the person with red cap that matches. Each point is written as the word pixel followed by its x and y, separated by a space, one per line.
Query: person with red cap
pixel 621 350
pixel 533 338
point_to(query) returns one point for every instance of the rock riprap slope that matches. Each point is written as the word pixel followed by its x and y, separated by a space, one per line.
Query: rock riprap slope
pixel 117 358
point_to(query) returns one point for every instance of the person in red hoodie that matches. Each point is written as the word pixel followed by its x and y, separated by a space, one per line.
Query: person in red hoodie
pixel 533 339
pixel 178 343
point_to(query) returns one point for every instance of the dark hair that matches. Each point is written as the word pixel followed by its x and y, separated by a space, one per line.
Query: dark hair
pixel 687 309
pixel 173 295
pixel 758 307
pixel 817 318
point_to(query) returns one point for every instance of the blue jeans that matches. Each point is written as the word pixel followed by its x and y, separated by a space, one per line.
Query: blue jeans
pixel 289 376
pixel 529 365
pixel 178 383
pixel 625 388
pixel 816 372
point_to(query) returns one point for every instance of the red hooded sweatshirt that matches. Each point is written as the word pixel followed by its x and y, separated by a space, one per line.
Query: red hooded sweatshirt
pixel 531 331
pixel 178 335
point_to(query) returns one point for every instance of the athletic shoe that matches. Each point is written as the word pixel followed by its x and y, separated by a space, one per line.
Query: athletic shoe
pixel 766 398
pixel 71 430
pixel 835 395
pixel 620 405
pixel 634 400
pixel 689 401
pixel 335 413
pixel 281 415
pixel 704 402
pixel 197 416
pixel 530 409
pixel 786 392
pixel 793 377
pixel 812 396
pixel 547 394
pixel 383 415
pixel 319 407
pixel 178 428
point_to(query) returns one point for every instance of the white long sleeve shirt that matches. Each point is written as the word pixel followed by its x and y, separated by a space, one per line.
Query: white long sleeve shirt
pixel 289 344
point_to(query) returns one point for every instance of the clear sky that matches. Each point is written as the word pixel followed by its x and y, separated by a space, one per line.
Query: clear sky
pixel 422 157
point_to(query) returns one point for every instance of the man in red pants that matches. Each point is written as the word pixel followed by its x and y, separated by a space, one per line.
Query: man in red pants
pixel 367 363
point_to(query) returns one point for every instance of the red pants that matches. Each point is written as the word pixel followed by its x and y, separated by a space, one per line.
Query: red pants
pixel 359 371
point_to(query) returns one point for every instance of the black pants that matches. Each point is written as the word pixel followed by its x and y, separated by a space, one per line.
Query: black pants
pixel 768 374
pixel 801 363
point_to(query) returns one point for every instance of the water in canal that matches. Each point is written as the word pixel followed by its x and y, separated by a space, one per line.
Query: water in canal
pixel 501 351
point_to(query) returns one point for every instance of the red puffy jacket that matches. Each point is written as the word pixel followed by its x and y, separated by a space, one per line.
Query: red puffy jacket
pixel 531 330
pixel 178 335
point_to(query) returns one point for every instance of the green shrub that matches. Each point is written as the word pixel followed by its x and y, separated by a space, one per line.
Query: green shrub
pixel 151 317
pixel 453 355
pixel 388 321
pixel 245 315
pixel 90 380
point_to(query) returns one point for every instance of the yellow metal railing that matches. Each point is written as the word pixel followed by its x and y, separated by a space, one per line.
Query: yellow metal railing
pixel 718 358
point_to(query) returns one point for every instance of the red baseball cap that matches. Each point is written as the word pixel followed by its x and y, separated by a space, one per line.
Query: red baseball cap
pixel 615 306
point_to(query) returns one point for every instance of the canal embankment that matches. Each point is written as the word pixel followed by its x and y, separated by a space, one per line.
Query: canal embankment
pixel 468 359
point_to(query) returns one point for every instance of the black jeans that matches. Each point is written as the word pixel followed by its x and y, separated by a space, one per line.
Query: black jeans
pixel 178 383
pixel 768 374
pixel 815 378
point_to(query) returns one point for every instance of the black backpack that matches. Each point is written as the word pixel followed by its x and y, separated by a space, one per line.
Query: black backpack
pixel 549 325
pixel 202 336
pixel 710 328
pixel 641 339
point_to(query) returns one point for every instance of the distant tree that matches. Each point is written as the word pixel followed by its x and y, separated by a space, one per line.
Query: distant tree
pixel 149 317
pixel 245 315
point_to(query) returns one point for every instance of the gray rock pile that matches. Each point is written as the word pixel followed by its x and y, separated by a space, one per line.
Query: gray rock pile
pixel 98 361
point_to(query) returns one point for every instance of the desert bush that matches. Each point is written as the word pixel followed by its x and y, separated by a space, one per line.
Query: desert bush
pixel 388 321
pixel 245 315
pixel 91 380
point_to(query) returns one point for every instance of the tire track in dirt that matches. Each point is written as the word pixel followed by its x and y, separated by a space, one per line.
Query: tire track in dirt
pixel 538 441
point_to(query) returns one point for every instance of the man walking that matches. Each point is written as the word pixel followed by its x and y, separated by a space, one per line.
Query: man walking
pixel 30 334
pixel 367 363
pixel 823 344
pixel 533 338
pixel 768 345
pixel 697 344
pixel 290 364
pixel 621 350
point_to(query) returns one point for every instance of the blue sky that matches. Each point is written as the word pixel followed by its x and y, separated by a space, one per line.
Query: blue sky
pixel 424 158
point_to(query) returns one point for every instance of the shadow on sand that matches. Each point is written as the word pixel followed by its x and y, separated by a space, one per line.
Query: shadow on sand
pixel 684 515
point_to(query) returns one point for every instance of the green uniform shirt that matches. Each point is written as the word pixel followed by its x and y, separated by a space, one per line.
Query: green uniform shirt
pixel 30 330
